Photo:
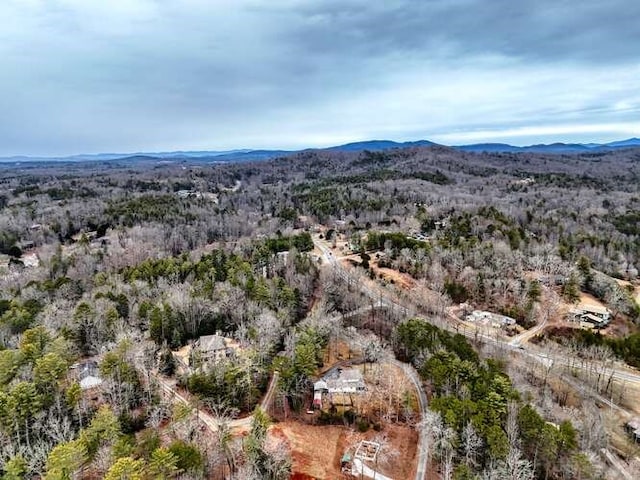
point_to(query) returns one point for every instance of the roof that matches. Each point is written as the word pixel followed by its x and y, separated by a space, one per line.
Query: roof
pixel 349 375
pixel 90 382
pixel 320 385
pixel 594 309
pixel 211 343
pixel 367 450
pixel 344 380
pixel 592 318
pixel 634 424
pixel 87 369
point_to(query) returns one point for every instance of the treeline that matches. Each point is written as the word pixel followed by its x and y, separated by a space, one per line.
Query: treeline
pixel 42 412
pixel 326 202
pixel 229 383
pixel 301 242
pixel 55 193
pixel 626 348
pixel 436 177
pixel 145 456
pixel 18 316
pixel 394 241
pixel 298 366
pixel 169 326
pixel 149 208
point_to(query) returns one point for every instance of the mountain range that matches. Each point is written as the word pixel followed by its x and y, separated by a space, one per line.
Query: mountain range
pixel 371 145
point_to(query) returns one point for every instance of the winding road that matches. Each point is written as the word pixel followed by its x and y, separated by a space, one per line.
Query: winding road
pixel 410 372
pixel 423 454
pixel 516 345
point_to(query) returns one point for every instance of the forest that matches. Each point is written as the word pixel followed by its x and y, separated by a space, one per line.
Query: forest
pixel 118 272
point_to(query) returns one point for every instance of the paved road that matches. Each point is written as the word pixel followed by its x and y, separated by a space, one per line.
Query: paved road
pixel 517 345
pixel 423 457
pixel 410 372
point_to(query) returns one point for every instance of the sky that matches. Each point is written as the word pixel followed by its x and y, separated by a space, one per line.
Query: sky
pixel 88 76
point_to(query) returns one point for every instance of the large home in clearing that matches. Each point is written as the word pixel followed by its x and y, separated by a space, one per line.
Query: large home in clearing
pixel 591 316
pixel 490 319
pixel 213 348
pixel 338 384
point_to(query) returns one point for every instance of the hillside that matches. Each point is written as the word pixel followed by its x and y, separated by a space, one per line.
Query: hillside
pixel 220 319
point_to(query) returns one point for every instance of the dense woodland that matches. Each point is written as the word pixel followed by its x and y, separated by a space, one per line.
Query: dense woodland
pixel 113 261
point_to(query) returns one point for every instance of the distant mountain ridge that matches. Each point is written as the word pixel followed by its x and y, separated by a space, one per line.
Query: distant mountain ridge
pixel 377 145
pixel 371 145
pixel 551 148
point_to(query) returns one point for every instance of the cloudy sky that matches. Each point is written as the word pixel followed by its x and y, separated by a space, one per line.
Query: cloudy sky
pixel 81 76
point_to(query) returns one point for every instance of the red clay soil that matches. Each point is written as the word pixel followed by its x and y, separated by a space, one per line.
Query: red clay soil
pixel 316 450
pixel 313 449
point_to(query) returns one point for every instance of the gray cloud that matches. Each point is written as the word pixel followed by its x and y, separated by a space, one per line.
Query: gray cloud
pixel 125 75
pixel 590 30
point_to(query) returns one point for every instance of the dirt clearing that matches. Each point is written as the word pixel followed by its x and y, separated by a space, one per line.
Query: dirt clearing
pixel 313 449
pixel 588 299
pixel 316 450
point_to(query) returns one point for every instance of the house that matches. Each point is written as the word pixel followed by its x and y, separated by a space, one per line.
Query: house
pixel 340 225
pixel 507 321
pixel 338 384
pixel 478 316
pixel 441 224
pixel 84 236
pixel 491 319
pixel 303 222
pixel 552 280
pixel 591 316
pixel 367 451
pixel 589 320
pixel 632 427
pixel 88 374
pixel 184 193
pixel 525 181
pixel 345 380
pixel 26 245
pixel 595 310
pixel 213 348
